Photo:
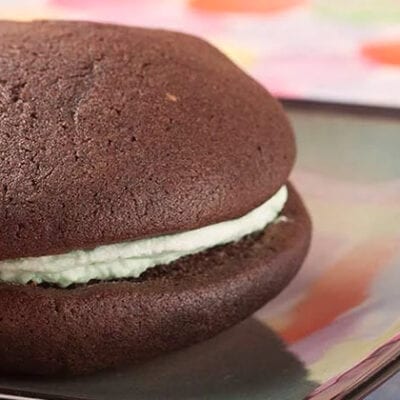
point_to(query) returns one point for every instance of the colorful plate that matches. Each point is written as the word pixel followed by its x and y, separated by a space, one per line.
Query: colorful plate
pixel 337 324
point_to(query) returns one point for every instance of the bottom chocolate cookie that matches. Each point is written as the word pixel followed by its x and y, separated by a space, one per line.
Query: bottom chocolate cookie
pixel 49 330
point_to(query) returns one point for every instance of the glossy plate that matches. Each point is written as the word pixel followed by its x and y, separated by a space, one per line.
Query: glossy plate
pixel 337 325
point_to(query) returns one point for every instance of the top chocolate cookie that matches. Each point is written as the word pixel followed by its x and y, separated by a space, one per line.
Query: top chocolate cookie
pixel 112 133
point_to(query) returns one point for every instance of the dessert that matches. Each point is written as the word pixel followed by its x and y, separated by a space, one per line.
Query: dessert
pixel 145 203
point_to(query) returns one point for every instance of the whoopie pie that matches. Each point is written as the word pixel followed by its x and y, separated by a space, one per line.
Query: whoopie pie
pixel 144 195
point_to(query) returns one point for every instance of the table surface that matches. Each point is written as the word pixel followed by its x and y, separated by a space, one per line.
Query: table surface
pixel 388 391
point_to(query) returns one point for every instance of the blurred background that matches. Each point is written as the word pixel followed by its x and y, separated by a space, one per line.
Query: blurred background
pixel 343 50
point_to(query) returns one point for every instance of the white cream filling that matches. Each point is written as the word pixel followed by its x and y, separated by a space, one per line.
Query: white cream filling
pixel 130 259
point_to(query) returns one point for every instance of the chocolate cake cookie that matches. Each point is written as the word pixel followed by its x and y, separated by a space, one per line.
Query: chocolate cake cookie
pixel 144 195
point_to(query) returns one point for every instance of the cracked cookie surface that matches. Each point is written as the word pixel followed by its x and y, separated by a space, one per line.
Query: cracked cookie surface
pixel 112 133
